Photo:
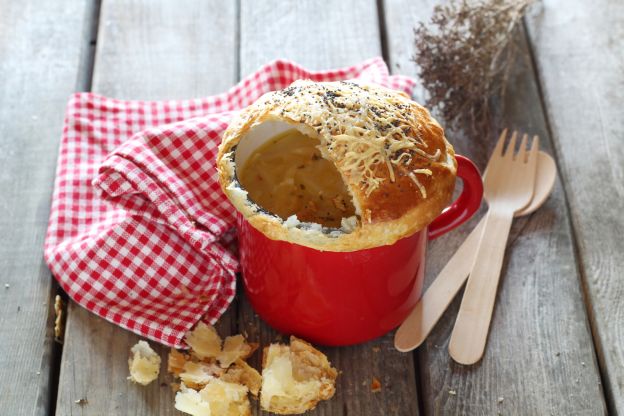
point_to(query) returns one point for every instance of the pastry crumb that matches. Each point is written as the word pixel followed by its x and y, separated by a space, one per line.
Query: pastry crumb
pixel 375 385
pixel 213 378
pixel 501 399
pixel 204 341
pixel 452 392
pixel 144 364
pixel 58 321
pixel 198 375
pixel 295 377
pixel 376 349
pixel 235 347
pixel 176 361
pixel 216 398
pixel 81 402
pixel 243 373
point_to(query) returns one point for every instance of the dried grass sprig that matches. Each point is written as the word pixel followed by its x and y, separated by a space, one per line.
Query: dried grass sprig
pixel 465 57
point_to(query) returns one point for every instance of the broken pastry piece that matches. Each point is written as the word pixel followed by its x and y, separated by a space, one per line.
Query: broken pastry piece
pixel 197 375
pixel 243 373
pixel 235 347
pixel 217 398
pixel 295 378
pixel 176 361
pixel 144 364
pixel 204 341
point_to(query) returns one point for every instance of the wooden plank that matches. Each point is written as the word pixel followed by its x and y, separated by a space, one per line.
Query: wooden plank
pixel 146 50
pixel 579 55
pixel 320 35
pixel 539 358
pixel 40 65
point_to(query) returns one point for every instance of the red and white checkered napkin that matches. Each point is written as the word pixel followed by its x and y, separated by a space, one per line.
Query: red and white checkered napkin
pixel 140 232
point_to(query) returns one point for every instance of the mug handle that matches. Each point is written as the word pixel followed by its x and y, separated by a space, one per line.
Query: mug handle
pixel 466 204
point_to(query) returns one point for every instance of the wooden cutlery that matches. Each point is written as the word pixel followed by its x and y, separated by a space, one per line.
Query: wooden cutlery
pixel 445 286
pixel 512 188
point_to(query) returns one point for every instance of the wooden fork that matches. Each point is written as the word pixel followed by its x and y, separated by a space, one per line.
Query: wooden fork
pixel 508 188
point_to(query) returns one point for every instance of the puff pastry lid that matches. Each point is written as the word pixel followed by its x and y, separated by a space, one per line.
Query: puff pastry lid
pixel 392 155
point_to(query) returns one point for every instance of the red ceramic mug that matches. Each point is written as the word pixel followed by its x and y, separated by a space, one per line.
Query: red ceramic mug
pixel 343 298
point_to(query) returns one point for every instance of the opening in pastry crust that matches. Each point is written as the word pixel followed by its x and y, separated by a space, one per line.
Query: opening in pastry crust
pixel 332 222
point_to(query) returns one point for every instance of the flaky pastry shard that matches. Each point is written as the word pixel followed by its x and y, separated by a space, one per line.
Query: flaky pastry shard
pixel 197 375
pixel 295 378
pixel 235 347
pixel 242 373
pixel 204 341
pixel 144 365
pixel 217 398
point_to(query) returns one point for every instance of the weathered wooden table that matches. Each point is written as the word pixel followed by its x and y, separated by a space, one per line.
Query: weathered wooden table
pixel 557 340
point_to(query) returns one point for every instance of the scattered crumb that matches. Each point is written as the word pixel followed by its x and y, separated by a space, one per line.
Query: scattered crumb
pixel 38 373
pixel 583 363
pixel 144 364
pixel 58 321
pixel 217 398
pixel 6 285
pixel 375 385
pixel 235 347
pixel 82 401
pixel 198 375
pixel 243 373
pixel 452 392
pixel 213 378
pixel 176 361
pixel 295 377
pixel 501 399
pixel 376 349
pixel 557 354
pixel 204 341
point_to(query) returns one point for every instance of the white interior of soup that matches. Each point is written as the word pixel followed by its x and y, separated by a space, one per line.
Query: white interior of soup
pixel 259 136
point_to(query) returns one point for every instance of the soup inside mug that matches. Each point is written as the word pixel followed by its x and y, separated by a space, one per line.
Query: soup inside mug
pixel 284 173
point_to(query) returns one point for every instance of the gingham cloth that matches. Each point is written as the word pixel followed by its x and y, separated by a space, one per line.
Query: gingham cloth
pixel 140 232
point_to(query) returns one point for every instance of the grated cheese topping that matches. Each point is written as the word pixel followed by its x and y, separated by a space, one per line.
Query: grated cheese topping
pixel 361 127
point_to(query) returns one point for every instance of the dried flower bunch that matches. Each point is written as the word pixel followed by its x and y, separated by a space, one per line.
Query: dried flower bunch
pixel 465 57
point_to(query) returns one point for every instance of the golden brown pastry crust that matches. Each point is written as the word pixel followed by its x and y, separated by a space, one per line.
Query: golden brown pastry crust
pixel 391 153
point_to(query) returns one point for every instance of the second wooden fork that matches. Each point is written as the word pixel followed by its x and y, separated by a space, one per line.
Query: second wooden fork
pixel 508 188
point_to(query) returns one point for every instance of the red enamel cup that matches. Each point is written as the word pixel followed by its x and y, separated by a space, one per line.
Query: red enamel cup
pixel 344 298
